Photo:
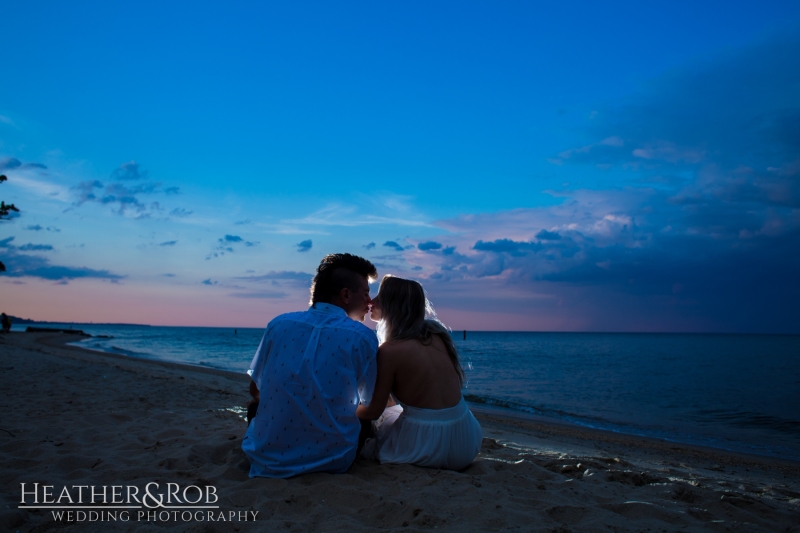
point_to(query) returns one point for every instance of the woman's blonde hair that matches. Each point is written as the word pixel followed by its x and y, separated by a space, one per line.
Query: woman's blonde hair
pixel 406 313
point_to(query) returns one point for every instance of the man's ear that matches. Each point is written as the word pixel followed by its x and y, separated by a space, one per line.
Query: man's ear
pixel 345 294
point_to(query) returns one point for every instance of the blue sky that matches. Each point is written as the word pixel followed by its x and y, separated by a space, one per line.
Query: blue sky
pixel 614 167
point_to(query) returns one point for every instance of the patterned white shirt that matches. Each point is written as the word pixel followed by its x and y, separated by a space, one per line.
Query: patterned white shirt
pixel 312 369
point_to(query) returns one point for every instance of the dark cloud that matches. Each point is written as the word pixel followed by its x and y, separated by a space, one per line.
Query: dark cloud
pixel 129 171
pixel 507 246
pixel 705 233
pixel 369 246
pixel 430 245
pixel 732 125
pixel 304 246
pixel 232 238
pixel 168 243
pixel 6 243
pixel 22 265
pixel 545 235
pixel 36 227
pixel 34 247
pixel 394 245
pixel 12 163
pixel 208 282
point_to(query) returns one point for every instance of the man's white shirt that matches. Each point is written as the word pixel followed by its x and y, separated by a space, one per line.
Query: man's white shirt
pixel 312 369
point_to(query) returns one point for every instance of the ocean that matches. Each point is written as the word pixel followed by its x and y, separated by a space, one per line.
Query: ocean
pixel 735 392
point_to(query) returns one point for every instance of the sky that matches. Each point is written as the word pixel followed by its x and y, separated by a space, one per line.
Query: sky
pixel 571 166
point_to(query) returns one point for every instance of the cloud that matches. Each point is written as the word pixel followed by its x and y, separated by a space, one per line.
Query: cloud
pixel 270 295
pixel 24 265
pixel 242 222
pixel 85 191
pixel 430 245
pixel 36 227
pixel 126 199
pixel 208 282
pixel 702 236
pixel 34 247
pixel 280 275
pixel 225 245
pixel 506 246
pixel 394 245
pixel 13 164
pixel 168 275
pixel 369 246
pixel 349 215
pixel 6 243
pixel 168 243
pixel 10 163
pixel 545 235
pixel 128 171
pixel 304 246
pixel 180 212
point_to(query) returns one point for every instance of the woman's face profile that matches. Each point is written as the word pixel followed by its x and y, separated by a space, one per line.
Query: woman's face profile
pixel 375 310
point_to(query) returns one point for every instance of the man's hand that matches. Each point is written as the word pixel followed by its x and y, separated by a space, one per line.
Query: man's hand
pixel 254 392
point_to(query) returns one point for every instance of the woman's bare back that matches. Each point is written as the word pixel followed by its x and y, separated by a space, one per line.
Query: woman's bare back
pixel 424 375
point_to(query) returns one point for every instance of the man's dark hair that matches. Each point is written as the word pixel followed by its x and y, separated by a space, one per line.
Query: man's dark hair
pixel 337 271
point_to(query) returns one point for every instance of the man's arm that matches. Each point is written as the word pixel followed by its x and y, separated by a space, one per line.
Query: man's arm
pixel 254 392
pixel 383 387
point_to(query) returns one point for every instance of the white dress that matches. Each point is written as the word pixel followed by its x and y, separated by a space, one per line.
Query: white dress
pixel 437 438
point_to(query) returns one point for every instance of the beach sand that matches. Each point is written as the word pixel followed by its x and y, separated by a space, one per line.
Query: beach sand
pixel 75 417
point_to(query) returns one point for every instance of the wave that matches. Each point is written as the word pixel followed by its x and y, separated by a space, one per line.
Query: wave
pixel 533 410
pixel 750 419
pixel 123 351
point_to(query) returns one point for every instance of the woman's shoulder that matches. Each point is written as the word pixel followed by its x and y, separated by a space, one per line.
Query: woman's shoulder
pixel 397 344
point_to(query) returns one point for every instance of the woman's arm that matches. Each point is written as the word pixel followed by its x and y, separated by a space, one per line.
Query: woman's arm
pixel 383 386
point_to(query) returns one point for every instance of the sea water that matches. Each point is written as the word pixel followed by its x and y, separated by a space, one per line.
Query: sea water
pixel 736 392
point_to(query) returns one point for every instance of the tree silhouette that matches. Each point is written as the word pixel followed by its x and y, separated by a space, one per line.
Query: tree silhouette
pixel 5 211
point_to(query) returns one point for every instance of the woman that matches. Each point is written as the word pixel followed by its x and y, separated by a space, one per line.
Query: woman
pixel 418 365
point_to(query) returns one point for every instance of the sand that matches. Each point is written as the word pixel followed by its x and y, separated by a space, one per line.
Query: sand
pixel 74 417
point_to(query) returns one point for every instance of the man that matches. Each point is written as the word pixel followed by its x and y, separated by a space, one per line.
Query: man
pixel 309 374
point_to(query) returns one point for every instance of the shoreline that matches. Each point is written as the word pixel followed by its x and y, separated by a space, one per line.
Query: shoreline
pixel 75 416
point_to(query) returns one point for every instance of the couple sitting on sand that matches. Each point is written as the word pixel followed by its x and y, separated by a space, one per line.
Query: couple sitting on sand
pixel 319 378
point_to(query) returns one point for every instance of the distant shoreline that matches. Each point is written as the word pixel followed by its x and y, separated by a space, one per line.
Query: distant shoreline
pixel 455 332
